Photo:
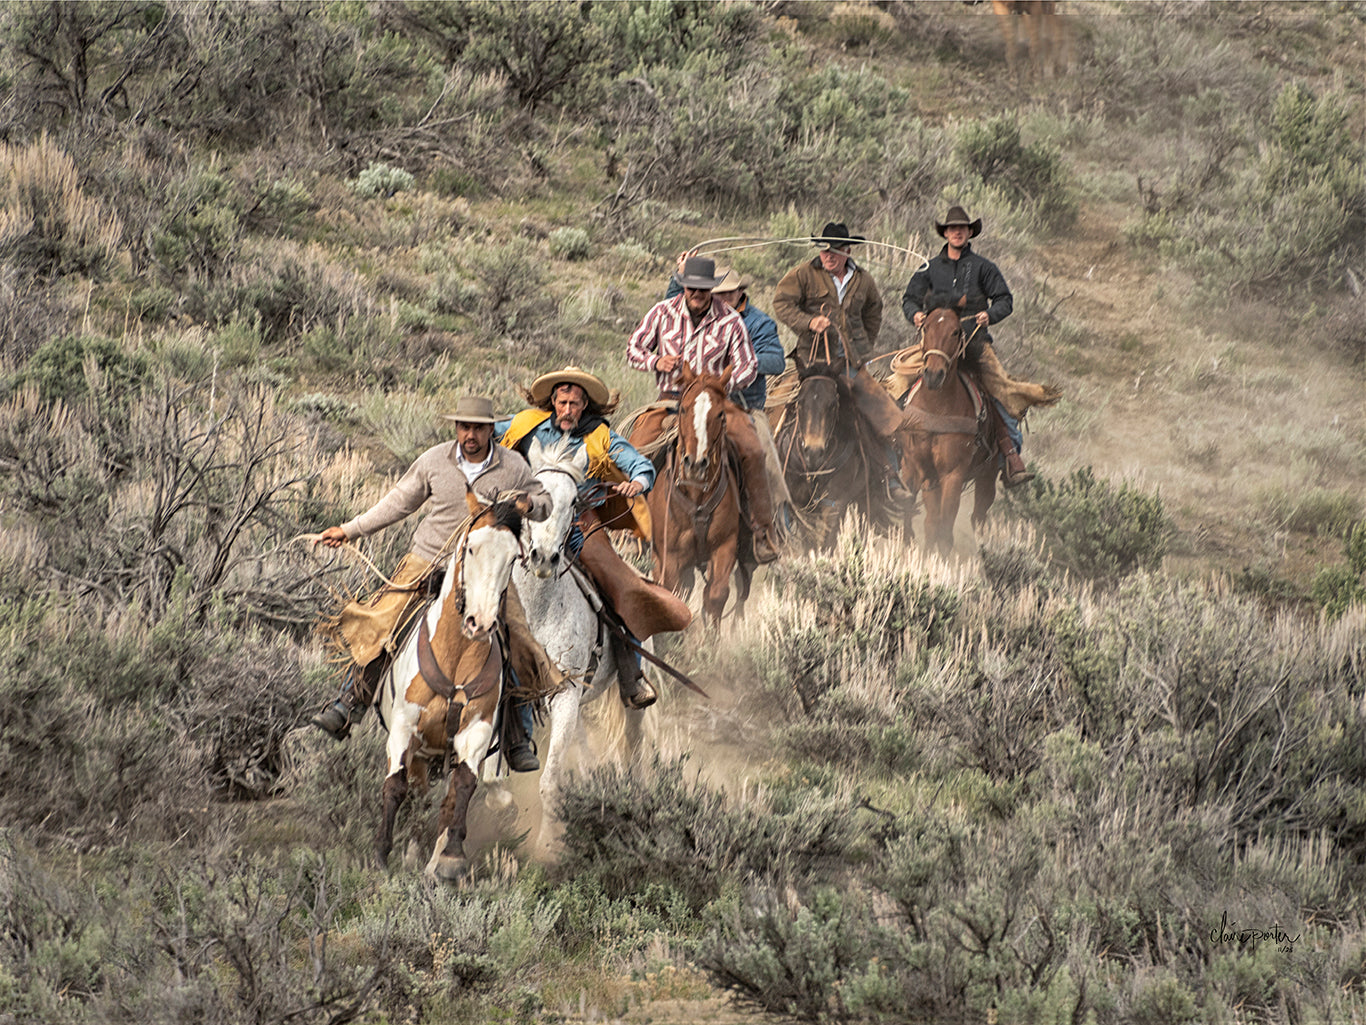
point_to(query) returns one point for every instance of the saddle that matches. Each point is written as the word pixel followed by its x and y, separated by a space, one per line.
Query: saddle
pixel 919 420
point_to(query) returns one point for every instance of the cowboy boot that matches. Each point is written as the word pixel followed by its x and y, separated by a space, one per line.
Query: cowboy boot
pixel 356 695
pixel 1013 473
pixel 518 752
pixel 636 691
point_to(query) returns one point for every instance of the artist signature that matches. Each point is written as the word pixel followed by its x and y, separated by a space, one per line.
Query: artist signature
pixel 1228 932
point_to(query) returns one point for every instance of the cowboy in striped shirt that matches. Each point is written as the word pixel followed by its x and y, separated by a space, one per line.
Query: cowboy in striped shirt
pixel 698 329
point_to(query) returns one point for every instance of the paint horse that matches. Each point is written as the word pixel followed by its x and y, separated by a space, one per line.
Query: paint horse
pixel 559 603
pixel 945 442
pixel 442 695
pixel 695 503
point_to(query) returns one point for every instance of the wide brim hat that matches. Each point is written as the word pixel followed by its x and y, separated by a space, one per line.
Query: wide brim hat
pixel 699 272
pixel 835 235
pixel 731 281
pixel 597 391
pixel 472 409
pixel 957 217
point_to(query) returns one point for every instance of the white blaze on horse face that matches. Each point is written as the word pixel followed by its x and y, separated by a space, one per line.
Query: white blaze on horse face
pixel 489 555
pixel 700 411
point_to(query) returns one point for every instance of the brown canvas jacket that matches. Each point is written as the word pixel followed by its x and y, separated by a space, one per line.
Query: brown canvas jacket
pixel 807 291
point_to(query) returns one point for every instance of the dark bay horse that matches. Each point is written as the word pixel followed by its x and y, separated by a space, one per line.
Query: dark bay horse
pixel 442 695
pixel 695 503
pixel 831 459
pixel 945 443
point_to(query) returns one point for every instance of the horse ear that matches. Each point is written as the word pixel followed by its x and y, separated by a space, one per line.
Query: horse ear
pixel 726 375
pixel 798 360
pixel 686 372
pixel 580 459
pixel 961 303
pixel 535 454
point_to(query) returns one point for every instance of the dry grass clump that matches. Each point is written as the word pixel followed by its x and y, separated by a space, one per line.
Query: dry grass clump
pixel 48 225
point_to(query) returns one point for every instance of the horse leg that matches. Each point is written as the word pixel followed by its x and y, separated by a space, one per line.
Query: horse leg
pixel 984 493
pixel 564 721
pixel 719 569
pixel 394 793
pixel 448 860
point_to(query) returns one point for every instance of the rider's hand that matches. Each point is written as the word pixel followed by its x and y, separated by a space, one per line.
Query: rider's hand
pixel 683 257
pixel 919 318
pixel 333 537
pixel 982 319
pixel 665 364
pixel 628 488
pixel 819 324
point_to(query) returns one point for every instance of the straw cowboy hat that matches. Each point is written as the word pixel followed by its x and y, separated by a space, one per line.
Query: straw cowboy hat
pixel 597 391
pixel 835 235
pixel 698 272
pixel 472 409
pixel 731 281
pixel 957 217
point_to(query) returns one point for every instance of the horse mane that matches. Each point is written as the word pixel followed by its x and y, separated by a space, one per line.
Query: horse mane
pixel 941 301
pixel 502 513
pixel 559 456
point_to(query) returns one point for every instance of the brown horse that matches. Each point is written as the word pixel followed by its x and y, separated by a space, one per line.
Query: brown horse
pixel 945 442
pixel 1049 35
pixel 442 695
pixel 695 503
pixel 830 458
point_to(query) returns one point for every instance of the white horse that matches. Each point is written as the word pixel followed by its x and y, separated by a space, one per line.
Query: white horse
pixel 445 686
pixel 565 621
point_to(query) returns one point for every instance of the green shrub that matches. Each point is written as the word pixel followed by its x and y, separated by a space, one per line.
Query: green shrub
pixel 657 825
pixel 200 228
pixel 1338 588
pixel 1030 175
pixel 570 244
pixel 1091 527
pixel 381 180
pixel 61 369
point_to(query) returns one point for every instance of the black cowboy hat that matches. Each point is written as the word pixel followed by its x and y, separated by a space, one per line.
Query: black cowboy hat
pixel 957 217
pixel 698 272
pixel 836 236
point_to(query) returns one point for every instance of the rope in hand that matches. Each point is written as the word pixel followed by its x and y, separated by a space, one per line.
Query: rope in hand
pixel 357 555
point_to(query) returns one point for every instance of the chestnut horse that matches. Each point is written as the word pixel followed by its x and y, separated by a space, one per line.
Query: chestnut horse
pixel 442 695
pixel 831 459
pixel 945 443
pixel 1048 32
pixel 695 503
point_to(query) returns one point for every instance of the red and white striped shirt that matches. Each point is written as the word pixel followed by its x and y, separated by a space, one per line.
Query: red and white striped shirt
pixel 720 341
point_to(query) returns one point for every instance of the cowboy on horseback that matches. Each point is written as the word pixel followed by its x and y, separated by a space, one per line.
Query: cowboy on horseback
pixel 835 309
pixel 442 475
pixel 698 329
pixel 959 271
pixel 733 290
pixel 571 405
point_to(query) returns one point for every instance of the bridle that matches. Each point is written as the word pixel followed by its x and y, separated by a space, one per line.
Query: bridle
pixel 958 331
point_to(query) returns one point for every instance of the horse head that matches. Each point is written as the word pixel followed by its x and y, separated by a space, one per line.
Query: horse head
pixel 492 545
pixel 560 472
pixel 820 396
pixel 702 425
pixel 942 340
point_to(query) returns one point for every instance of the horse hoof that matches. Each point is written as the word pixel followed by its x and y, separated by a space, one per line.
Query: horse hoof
pixel 450 869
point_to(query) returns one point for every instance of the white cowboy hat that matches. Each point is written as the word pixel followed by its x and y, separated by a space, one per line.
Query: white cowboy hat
pixel 597 391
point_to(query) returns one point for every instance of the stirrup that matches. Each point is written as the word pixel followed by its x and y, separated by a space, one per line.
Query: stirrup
pixel 336 719
pixel 639 694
